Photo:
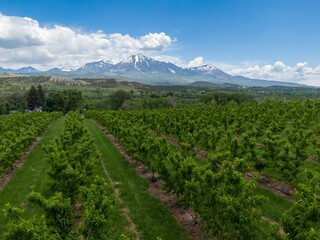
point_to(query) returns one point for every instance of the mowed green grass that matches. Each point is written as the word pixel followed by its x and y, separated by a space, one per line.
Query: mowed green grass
pixel 31 177
pixel 274 206
pixel 151 217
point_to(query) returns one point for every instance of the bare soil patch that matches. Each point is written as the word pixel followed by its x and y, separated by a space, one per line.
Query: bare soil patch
pixel 77 209
pixel 313 159
pixel 170 140
pixel 185 216
pixel 201 153
pixel 277 187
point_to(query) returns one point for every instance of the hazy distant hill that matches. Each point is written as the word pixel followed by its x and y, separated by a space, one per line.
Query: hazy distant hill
pixel 9 79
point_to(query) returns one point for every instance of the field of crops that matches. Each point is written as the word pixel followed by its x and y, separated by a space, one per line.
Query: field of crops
pixel 18 131
pixel 246 171
pixel 204 154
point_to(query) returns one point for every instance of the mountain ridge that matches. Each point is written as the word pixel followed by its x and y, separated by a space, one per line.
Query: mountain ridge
pixel 147 70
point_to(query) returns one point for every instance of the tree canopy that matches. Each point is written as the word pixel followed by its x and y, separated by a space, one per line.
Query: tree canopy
pixel 65 101
pixel 35 97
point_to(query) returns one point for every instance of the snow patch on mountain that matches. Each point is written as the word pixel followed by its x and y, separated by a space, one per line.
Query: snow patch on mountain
pixel 206 68
pixel 96 67
pixel 173 71
pixel 66 69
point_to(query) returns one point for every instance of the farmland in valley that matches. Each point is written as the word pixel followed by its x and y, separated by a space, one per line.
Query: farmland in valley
pixel 238 171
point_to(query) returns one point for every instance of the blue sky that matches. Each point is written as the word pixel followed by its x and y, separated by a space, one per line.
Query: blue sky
pixel 272 39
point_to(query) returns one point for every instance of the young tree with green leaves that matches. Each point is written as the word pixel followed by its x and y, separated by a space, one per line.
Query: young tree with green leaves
pixel 18 228
pixel 98 202
pixel 302 220
pixel 58 212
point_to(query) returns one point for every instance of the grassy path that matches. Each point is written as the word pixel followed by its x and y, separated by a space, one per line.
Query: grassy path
pixel 31 177
pixel 151 218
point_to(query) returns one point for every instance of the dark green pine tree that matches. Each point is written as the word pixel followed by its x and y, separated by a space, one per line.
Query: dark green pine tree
pixel 32 98
pixel 41 98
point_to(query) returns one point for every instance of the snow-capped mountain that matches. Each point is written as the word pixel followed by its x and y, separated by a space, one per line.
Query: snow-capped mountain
pixel 96 67
pixel 148 70
pixel 145 64
pixel 206 69
pixel 209 70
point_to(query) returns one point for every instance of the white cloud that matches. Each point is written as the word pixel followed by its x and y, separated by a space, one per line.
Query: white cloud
pixel 198 61
pixel 301 72
pixel 167 58
pixel 18 32
pixel 24 41
pixel 155 41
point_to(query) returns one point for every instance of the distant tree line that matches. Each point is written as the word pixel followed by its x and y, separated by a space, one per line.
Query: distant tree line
pixel 35 99
pixel 66 100
pixel 225 98
pixel 122 100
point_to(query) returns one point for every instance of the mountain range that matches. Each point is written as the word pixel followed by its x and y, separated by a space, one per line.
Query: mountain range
pixel 150 71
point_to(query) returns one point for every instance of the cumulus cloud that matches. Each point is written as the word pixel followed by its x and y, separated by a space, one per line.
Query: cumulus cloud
pixel 24 41
pixel 155 41
pixel 198 61
pixel 301 72
pixel 18 32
